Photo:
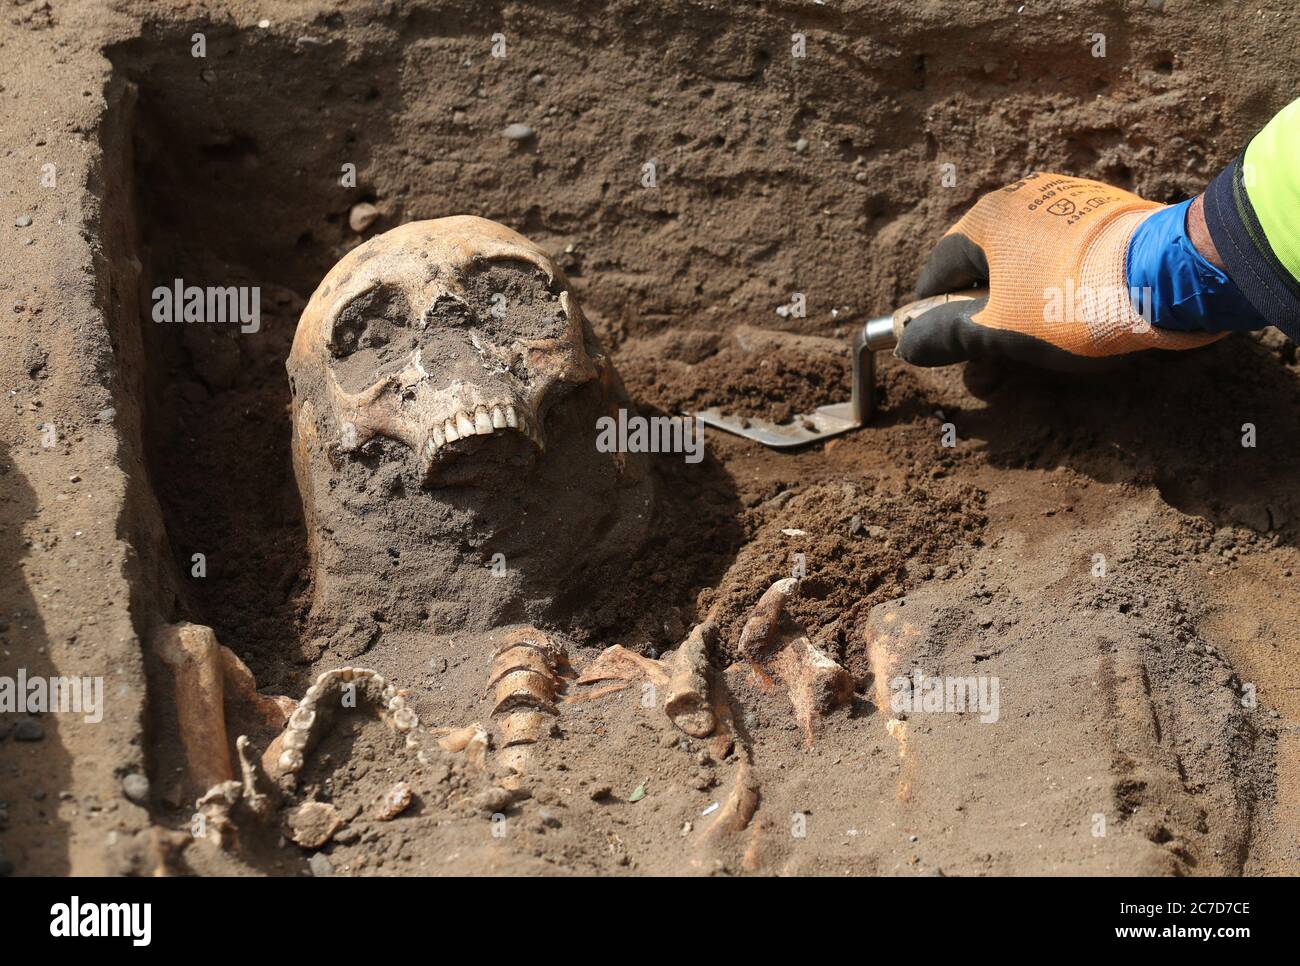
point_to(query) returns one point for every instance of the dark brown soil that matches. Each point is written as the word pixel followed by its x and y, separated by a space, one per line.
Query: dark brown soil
pixel 1159 694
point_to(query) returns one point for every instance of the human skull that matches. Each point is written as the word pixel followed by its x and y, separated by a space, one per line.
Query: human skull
pixel 409 337
pixel 428 370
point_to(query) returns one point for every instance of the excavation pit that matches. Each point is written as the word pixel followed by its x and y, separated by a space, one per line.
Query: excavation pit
pixel 690 176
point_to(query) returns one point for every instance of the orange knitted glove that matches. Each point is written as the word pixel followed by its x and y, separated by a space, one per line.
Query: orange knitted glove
pixel 1051 250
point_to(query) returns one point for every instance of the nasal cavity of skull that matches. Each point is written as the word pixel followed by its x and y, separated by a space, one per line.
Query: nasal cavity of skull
pixel 502 304
pixel 372 336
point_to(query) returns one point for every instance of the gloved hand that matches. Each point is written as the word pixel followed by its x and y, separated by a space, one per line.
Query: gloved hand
pixel 1077 271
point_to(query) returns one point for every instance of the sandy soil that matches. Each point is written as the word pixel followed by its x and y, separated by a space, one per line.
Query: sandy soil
pixel 1154 702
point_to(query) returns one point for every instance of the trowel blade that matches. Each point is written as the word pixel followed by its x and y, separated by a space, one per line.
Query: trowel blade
pixel 822 423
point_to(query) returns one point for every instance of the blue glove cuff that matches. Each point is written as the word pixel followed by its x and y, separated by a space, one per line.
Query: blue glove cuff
pixel 1185 291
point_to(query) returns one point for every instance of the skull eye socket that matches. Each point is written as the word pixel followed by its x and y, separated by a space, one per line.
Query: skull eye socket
pixel 371 334
pixel 503 301
pixel 372 320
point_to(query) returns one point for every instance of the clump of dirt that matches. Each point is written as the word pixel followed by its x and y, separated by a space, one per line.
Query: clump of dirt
pixel 687 372
pixel 853 547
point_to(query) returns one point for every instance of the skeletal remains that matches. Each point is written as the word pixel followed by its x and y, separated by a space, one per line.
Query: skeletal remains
pixel 446 392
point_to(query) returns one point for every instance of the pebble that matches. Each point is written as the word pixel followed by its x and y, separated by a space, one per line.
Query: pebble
pixel 801 145
pixel 136 788
pixel 492 800
pixel 313 824
pixel 22 221
pixel 549 818
pixel 28 729
pixel 517 132
pixel 395 801
pixel 320 864
pixel 362 216
pixel 601 791
pixel 106 415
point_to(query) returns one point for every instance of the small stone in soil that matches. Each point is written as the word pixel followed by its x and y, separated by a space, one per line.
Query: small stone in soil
pixel 28 729
pixel 136 788
pixel 362 216
pixel 549 818
pixel 395 801
pixel 22 221
pixel 493 800
pixel 313 824
pixel 320 865
pixel 517 132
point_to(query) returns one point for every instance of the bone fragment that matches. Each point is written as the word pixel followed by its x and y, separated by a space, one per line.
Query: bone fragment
pixel 312 824
pixel 760 633
pixel 688 705
pixel 525 684
pixel 779 650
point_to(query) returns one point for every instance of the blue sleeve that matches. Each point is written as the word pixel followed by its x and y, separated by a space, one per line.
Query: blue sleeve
pixel 1173 285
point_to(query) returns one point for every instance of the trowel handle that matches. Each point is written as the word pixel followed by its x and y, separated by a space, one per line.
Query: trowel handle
pixel 885 331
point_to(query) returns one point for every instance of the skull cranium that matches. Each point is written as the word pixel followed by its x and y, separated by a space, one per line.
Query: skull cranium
pixel 398 348
pixel 446 392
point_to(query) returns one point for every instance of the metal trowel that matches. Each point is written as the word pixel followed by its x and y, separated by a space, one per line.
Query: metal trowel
pixel 826 421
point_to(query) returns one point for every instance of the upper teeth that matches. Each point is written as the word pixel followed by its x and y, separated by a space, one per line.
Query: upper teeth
pixel 482 421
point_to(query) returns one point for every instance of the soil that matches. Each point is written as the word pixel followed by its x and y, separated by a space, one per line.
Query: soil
pixel 1104 547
